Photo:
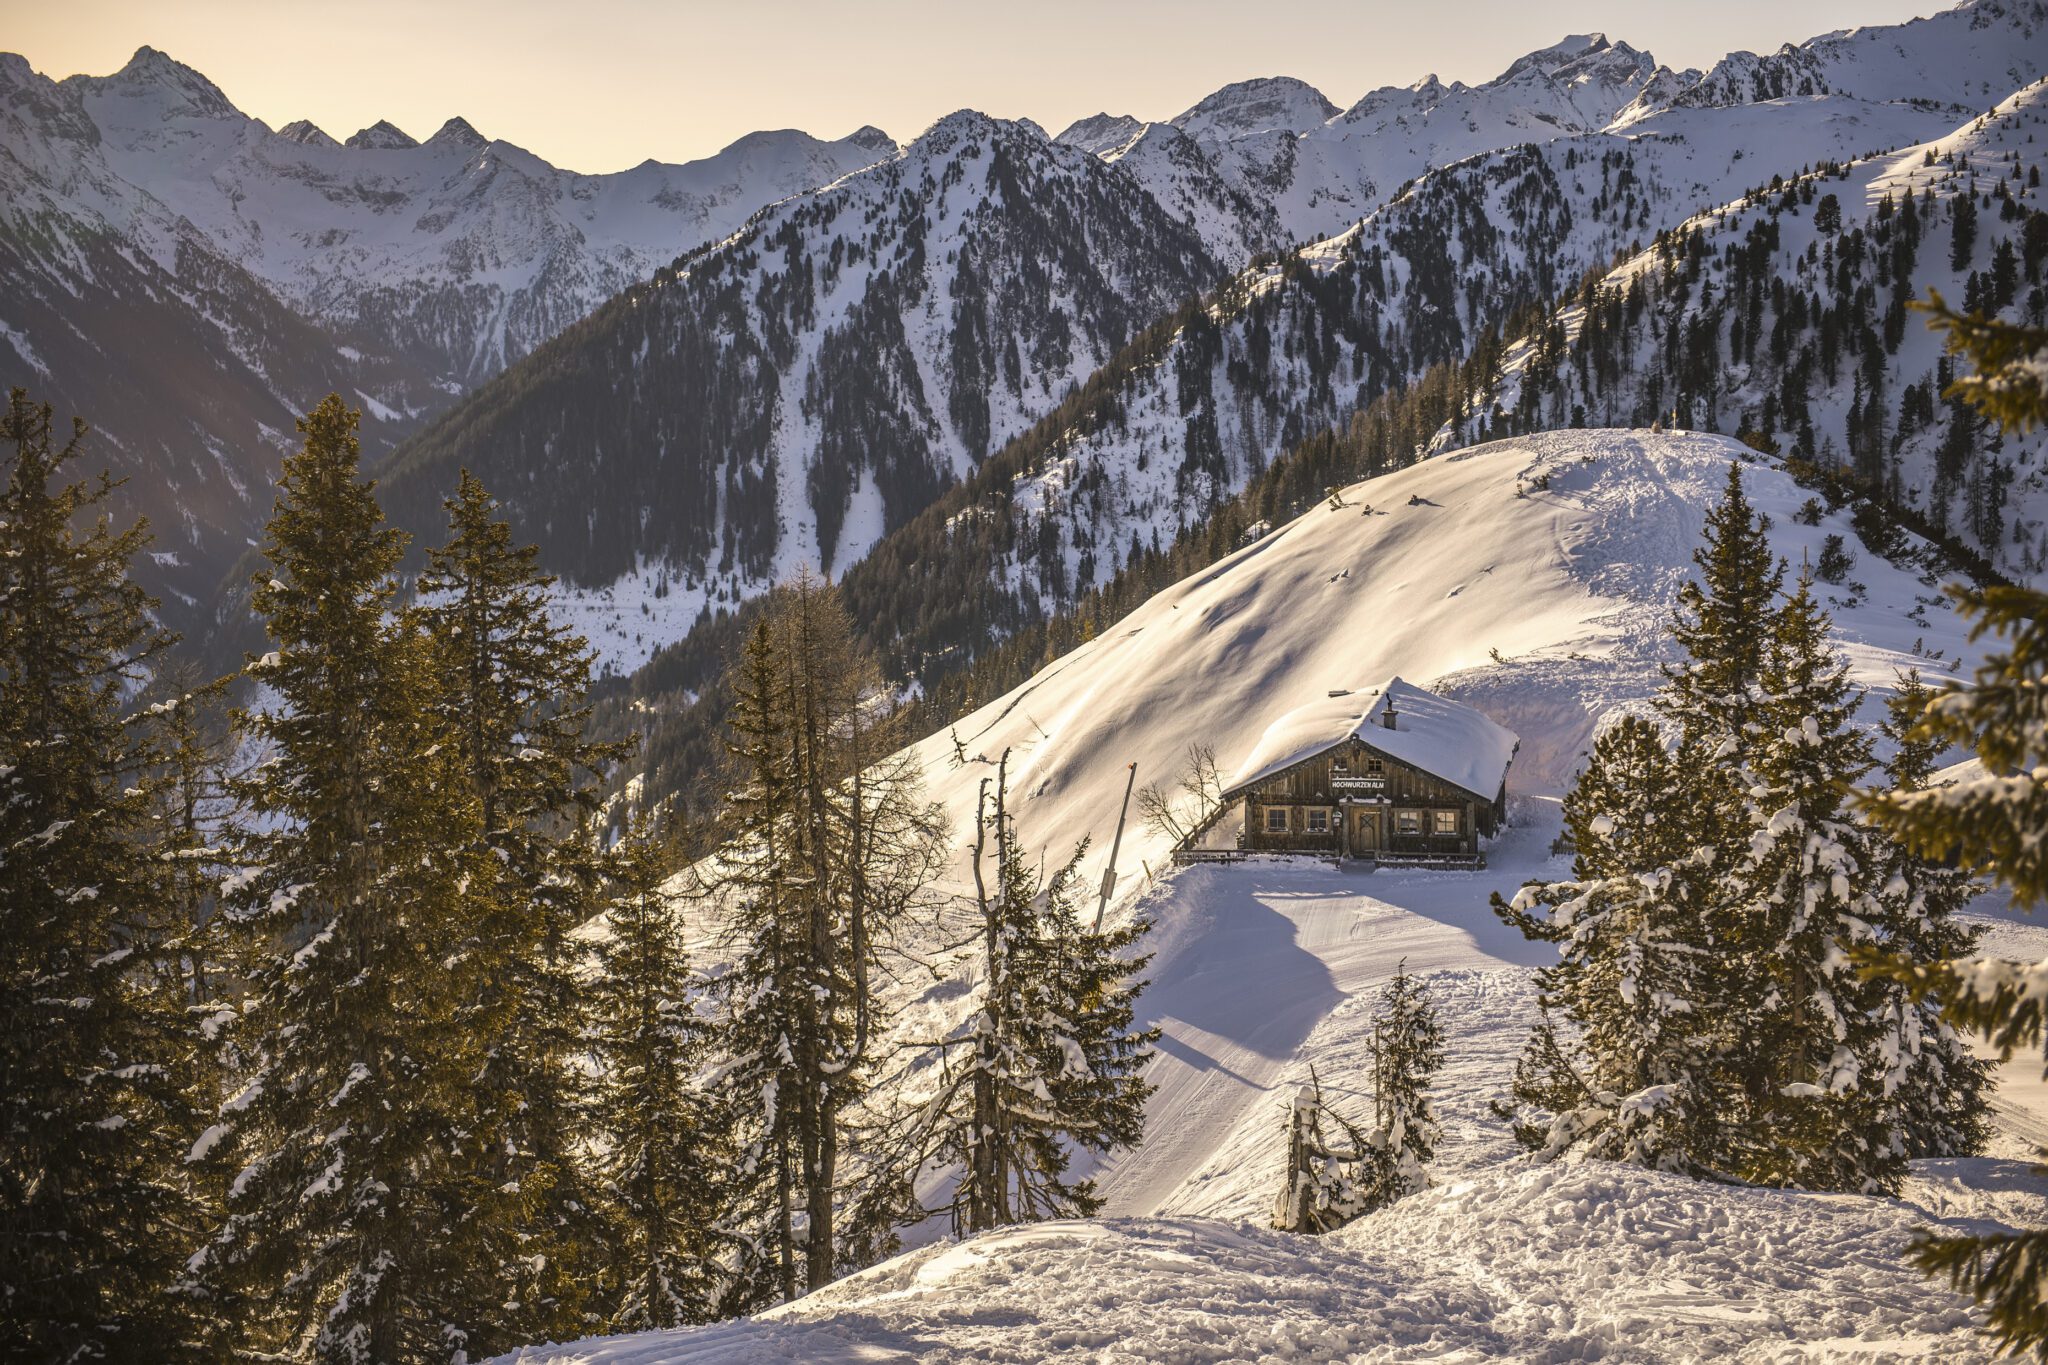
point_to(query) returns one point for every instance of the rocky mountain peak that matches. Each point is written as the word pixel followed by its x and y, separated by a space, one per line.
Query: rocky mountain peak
pixel 1257 106
pixel 151 74
pixel 455 132
pixel 1099 133
pixel 306 133
pixel 383 135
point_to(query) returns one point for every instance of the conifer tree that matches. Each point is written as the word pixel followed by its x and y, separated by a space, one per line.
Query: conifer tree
pixel 828 844
pixel 1723 624
pixel 664 1148
pixel 354 1135
pixel 508 689
pixel 1048 1062
pixel 769 1005
pixel 1811 1071
pixel 96 1067
pixel 1337 1172
pixel 1991 822
pixel 1407 1052
pixel 1936 1084
pixel 1635 1081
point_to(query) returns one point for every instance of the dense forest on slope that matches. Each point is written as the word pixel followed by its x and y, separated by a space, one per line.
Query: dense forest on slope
pixel 1434 340
pixel 1788 315
pixel 797 391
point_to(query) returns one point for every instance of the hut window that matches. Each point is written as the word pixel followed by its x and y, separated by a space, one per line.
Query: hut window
pixel 1407 822
pixel 1374 767
pixel 1446 822
pixel 1338 765
pixel 1318 821
pixel 1276 819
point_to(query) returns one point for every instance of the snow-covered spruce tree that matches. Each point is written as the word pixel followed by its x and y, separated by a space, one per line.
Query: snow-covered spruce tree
pixel 1335 1171
pixel 96 1062
pixel 354 1136
pixel 1991 822
pixel 1407 1052
pixel 1082 1026
pixel 509 685
pixel 828 843
pixel 1723 624
pixel 1048 1061
pixel 1935 1083
pixel 1630 1077
pixel 1809 1073
pixel 665 1154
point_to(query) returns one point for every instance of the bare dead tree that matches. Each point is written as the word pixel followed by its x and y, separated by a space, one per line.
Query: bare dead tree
pixel 1180 810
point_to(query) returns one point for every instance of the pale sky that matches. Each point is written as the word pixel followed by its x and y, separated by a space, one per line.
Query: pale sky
pixel 598 85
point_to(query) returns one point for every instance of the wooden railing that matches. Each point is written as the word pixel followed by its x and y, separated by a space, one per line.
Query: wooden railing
pixel 1182 857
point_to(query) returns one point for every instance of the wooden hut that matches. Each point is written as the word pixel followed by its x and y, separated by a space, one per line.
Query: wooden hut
pixel 1391 773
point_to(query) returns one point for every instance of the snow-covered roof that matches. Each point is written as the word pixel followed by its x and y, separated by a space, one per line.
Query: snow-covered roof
pixel 1435 734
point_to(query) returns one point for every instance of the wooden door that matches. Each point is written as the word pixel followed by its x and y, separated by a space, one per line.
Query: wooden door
pixel 1365 831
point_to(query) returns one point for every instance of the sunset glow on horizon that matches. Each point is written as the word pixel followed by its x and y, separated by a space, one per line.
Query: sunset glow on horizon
pixel 598 87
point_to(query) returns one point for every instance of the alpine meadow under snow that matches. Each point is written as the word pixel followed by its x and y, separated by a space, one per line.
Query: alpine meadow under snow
pixel 1404 730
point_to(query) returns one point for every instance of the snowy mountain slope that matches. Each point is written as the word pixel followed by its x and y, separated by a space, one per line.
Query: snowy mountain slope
pixel 1234 224
pixel 190 280
pixel 1100 133
pixel 1963 59
pixel 1517 1262
pixel 1773 315
pixel 1247 108
pixel 1562 552
pixel 1312 173
pixel 1295 348
pixel 1317 177
pixel 463 251
pixel 817 379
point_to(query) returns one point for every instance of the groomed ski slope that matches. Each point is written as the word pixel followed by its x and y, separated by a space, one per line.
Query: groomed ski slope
pixel 1562 552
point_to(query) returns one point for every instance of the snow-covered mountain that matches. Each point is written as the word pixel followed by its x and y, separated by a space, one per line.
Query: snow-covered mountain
pixel 1312 170
pixel 1100 133
pixel 1785 314
pixel 463 251
pixel 1188 416
pixel 1197 407
pixel 1967 58
pixel 1248 108
pixel 1532 578
pixel 816 380
pixel 190 279
pixel 277 265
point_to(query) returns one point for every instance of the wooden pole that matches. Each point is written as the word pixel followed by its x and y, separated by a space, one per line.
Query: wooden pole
pixel 1109 873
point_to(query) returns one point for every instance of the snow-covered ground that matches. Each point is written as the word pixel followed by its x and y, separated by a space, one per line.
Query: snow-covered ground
pixel 1532 578
pixel 1267 968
